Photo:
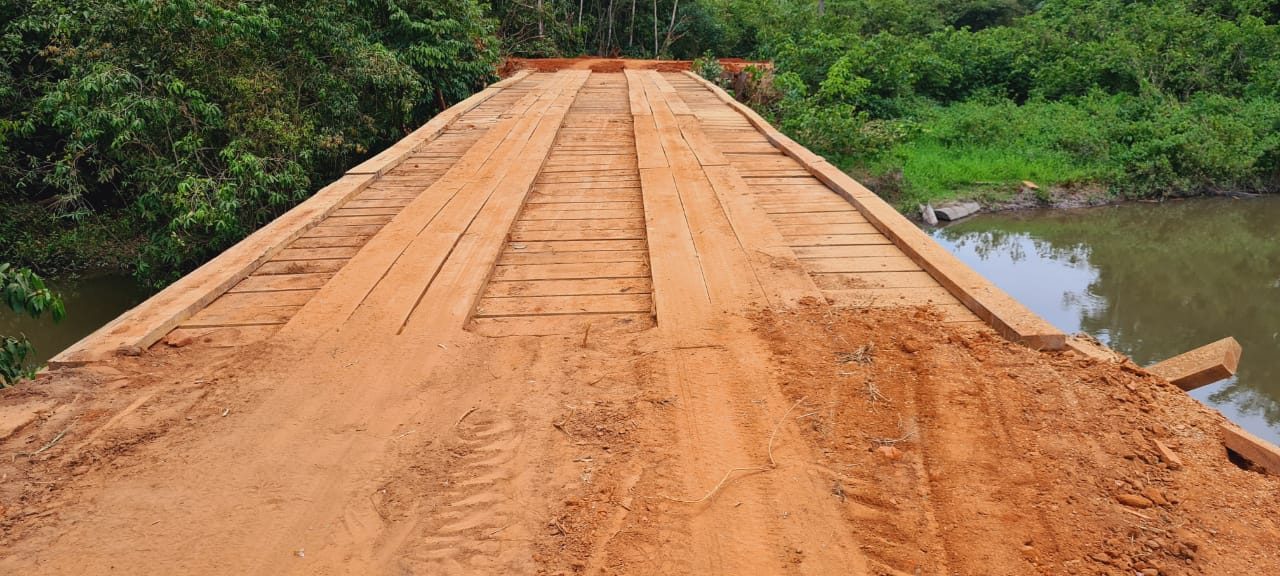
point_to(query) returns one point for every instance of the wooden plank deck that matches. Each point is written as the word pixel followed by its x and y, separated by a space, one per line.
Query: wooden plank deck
pixel 558 203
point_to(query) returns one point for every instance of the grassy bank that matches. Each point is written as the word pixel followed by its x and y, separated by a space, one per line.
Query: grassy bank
pixel 1121 145
pixel 929 100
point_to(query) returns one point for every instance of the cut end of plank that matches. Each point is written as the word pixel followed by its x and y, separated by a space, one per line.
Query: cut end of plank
pixel 1262 454
pixel 1204 365
pixel 1091 349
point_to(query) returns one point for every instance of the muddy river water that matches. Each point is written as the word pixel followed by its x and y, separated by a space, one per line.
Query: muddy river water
pixel 1151 281
pixel 91 302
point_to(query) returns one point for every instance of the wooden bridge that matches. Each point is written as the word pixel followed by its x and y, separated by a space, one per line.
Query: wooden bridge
pixel 553 201
pixel 533 337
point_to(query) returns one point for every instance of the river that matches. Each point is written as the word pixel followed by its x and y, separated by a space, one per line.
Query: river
pixel 91 301
pixel 1151 281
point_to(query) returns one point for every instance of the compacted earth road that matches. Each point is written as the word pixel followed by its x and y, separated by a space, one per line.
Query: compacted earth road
pixel 601 325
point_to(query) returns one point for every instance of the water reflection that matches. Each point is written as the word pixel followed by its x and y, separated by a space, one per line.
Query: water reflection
pixel 1151 281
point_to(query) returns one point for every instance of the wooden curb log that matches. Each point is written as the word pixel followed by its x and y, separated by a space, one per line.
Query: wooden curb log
pixel 146 323
pixel 999 310
pixel 1259 452
pixel 1204 365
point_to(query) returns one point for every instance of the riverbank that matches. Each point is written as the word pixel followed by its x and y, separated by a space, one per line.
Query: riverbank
pixel 1150 280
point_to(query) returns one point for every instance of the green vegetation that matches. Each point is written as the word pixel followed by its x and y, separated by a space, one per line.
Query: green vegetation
pixel 932 99
pixel 24 293
pixel 192 122
pixel 156 133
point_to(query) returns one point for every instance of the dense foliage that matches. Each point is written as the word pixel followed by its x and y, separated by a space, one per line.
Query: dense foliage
pixel 200 120
pixel 23 293
pixel 679 29
pixel 1144 98
pixel 169 129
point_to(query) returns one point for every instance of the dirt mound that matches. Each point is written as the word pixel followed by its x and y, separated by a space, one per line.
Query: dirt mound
pixel 881 440
pixel 993 459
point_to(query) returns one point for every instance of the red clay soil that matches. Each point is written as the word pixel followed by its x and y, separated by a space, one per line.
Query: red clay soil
pixel 835 442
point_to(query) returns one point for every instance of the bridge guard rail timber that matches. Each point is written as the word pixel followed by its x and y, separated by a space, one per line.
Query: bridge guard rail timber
pixel 148 322
pixel 999 310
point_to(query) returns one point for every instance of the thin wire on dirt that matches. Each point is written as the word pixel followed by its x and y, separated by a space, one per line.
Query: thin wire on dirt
pixel 723 480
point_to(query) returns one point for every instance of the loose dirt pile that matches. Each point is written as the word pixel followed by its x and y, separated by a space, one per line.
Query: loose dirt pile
pixel 994 458
pixel 809 441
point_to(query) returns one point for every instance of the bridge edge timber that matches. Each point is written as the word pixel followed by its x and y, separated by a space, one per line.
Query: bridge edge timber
pixel 148 322
pixel 995 307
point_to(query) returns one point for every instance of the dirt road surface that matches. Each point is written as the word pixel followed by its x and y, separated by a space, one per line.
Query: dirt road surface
pixel 512 385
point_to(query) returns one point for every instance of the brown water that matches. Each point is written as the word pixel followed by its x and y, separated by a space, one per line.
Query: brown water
pixel 91 302
pixel 1151 281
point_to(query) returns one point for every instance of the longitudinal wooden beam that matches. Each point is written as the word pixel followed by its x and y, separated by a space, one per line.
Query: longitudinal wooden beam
pixel 380 163
pixel 146 323
pixel 999 310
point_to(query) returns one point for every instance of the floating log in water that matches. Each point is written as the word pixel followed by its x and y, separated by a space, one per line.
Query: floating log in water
pixel 1204 365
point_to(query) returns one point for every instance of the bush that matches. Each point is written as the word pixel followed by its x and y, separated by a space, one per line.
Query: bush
pixel 207 118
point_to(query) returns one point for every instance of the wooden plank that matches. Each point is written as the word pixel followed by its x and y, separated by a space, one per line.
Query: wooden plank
pixel 636 233
pixel 340 297
pixel 577 304
pixel 316 253
pixel 807 207
pixel 1204 365
pixel 218 317
pixel 276 282
pixel 394 155
pixel 1008 316
pixel 597 224
pixel 232 300
pixel 627 195
pixel 730 279
pixel 511 258
pixel 838 240
pixel 227 336
pixel 583 286
pixel 557 325
pixel 251 308
pixel 793 230
pixel 300 267
pixel 883 264
pixel 811 218
pixel 1263 454
pixel 323 231
pixel 891 297
pixel 357 220
pixel 148 322
pixel 577 246
pixel 329 241
pixel 680 293
pixel 571 271
pixel 858 280
pixel 378 203
pixel 861 251
pixel 537 215
pixel 453 294
pixel 381 211
pixel 561 206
